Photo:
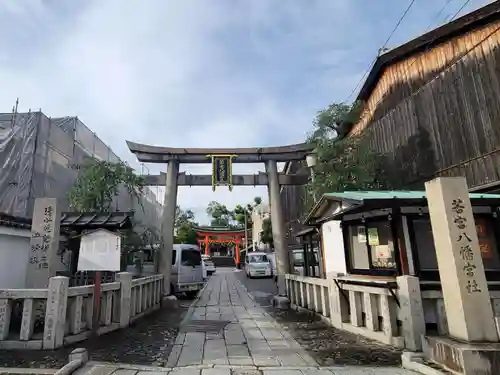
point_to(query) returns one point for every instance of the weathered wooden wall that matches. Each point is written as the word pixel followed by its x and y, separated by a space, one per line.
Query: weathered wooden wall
pixel 292 198
pixel 433 115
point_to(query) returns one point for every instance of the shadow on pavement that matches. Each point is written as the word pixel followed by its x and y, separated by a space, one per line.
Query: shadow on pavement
pixel 144 342
pixel 330 346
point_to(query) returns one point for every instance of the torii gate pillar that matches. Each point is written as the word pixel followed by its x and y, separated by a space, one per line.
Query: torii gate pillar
pixel 169 206
pixel 280 300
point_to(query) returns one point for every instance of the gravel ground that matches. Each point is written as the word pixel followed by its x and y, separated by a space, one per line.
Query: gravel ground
pixel 327 345
pixel 146 342
pixel 330 346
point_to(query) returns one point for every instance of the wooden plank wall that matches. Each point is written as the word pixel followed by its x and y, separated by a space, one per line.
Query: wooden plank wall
pixel 440 116
pixel 292 198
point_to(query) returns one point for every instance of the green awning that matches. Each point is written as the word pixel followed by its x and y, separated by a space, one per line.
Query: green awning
pixel 355 201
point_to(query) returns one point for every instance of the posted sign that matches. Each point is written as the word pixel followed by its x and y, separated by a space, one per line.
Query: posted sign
pixel 100 251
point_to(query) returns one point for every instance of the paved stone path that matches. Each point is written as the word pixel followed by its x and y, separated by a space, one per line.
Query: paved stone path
pixel 225 332
pixel 226 326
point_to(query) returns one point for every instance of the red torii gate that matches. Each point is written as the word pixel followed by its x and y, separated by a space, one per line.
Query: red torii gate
pixel 208 235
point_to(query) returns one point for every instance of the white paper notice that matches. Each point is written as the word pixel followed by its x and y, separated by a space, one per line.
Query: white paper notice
pixel 100 251
pixel 382 251
pixel 361 234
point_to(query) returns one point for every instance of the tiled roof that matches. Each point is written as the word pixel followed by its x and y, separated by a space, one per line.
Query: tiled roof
pixel 75 220
pixel 112 220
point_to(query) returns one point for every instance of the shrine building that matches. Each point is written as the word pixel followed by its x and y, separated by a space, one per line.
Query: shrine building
pixel 222 241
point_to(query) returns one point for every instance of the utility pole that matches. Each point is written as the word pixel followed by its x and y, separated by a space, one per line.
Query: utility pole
pixel 246 229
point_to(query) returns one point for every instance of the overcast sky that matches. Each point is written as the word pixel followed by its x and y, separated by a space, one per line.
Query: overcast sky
pixel 197 73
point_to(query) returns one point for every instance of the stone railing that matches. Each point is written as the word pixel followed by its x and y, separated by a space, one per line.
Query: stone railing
pixel 59 315
pixel 391 314
pixel 435 313
pixel 145 295
pixel 309 293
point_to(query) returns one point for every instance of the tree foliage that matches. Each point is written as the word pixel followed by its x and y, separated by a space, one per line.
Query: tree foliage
pixel 220 215
pixel 240 211
pixel 98 183
pixel 184 227
pixel 267 232
pixel 94 190
pixel 343 163
pixel 182 216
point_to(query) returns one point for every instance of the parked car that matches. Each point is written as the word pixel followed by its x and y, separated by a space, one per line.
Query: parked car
pixel 209 264
pixel 257 264
pixel 187 270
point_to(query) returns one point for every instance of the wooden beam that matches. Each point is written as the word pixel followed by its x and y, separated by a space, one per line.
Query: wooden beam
pixel 259 179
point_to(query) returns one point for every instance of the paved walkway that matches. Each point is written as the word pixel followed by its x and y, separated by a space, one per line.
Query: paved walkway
pixel 226 332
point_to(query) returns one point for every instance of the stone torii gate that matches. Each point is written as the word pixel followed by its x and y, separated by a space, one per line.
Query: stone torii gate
pixel 270 156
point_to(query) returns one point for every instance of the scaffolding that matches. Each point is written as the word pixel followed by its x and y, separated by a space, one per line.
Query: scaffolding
pixel 40 156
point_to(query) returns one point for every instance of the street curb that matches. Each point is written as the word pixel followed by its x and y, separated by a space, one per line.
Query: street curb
pixel 27 370
pixel 191 308
pixel 413 361
pixel 147 368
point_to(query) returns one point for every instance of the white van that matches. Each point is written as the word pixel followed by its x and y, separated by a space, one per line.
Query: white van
pixel 187 270
pixel 258 264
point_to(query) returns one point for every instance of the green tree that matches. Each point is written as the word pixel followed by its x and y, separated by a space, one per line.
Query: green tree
pixel 343 163
pixel 220 215
pixel 182 216
pixel 98 183
pixel 184 227
pixel 186 234
pixel 241 211
pixel 267 232
pixel 96 186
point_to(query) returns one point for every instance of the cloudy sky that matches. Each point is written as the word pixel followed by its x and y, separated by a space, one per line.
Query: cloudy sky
pixel 198 73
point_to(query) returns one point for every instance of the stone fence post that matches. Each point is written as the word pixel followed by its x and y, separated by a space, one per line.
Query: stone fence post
pixel 55 312
pixel 339 306
pixel 411 311
pixel 125 279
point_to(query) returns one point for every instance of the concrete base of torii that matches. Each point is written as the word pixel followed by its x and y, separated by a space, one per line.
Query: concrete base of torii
pixel 281 302
pixel 170 302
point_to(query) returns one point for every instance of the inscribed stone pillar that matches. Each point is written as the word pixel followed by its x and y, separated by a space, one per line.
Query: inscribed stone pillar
pixel 55 312
pixel 463 281
pixel 44 243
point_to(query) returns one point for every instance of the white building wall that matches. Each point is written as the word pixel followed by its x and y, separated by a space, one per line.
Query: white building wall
pixel 259 214
pixel 14 257
pixel 333 247
pixel 14 254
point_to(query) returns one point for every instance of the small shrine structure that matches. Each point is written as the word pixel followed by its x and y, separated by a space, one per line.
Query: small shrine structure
pixel 221 235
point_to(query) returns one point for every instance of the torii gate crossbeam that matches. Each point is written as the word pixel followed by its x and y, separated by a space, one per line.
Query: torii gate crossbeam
pixel 268 155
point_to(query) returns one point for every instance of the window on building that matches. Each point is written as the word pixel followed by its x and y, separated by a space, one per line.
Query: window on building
pixel 358 251
pixel 371 246
pixel 297 258
pixel 424 243
pixel 381 244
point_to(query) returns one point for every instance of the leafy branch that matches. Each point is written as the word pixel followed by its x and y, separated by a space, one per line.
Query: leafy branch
pixel 343 163
pixel 98 183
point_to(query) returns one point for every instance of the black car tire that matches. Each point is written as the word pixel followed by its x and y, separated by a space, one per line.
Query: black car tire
pixel 192 294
